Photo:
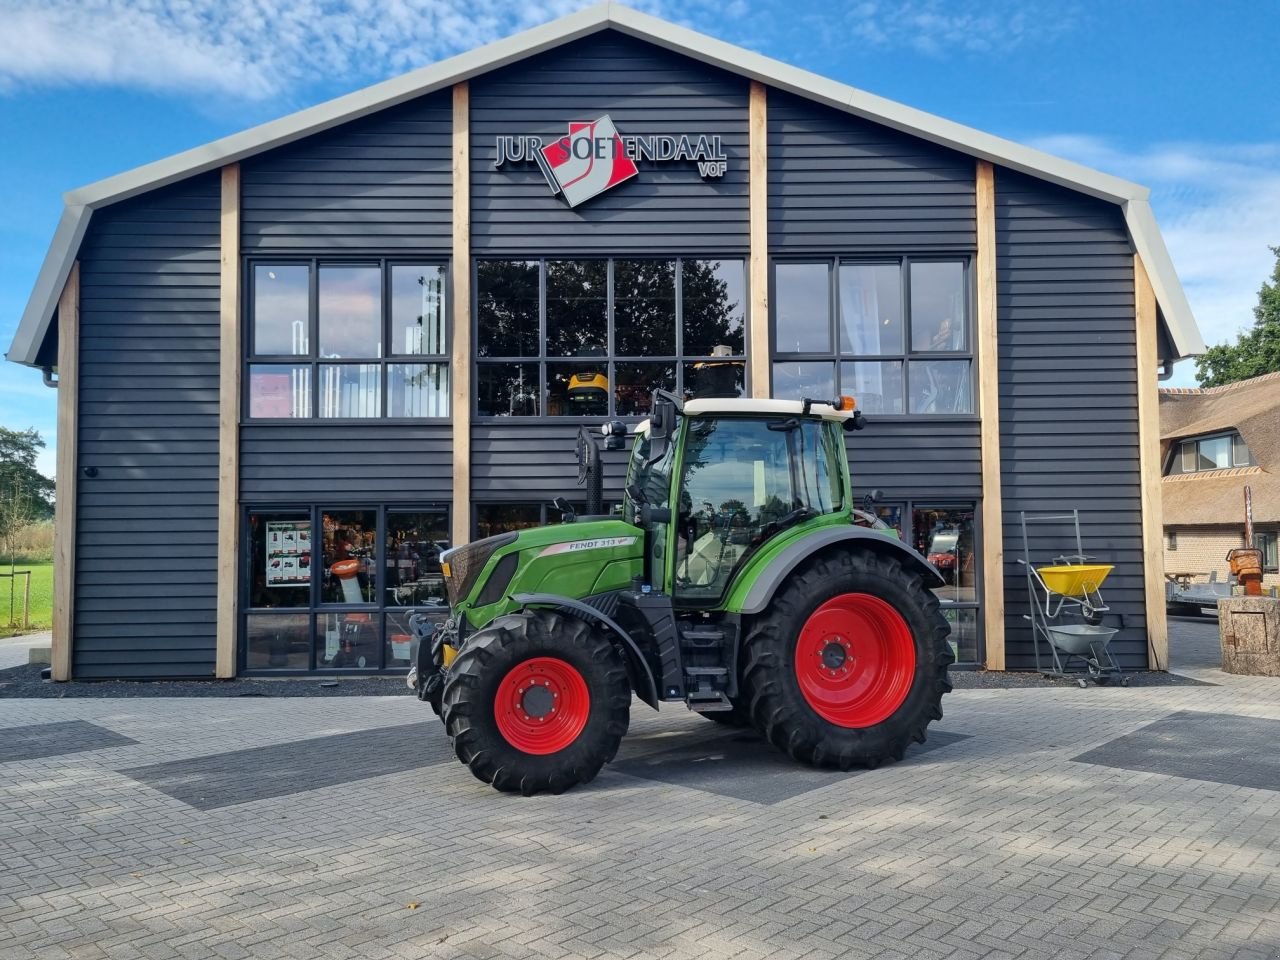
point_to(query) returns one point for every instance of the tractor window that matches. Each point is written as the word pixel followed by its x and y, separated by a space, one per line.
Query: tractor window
pixel 741 484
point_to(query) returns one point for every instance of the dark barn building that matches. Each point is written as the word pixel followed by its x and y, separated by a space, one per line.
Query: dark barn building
pixel 295 364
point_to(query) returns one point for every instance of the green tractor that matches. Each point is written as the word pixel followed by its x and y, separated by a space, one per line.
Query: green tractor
pixel 739 578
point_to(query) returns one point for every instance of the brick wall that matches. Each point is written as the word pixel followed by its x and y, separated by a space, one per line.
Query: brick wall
pixel 1202 549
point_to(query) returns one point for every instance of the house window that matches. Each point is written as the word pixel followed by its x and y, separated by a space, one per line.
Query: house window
pixel 347 340
pixel 894 334
pixel 595 338
pixel 1171 540
pixel 331 588
pixel 1213 453
pixel 1267 543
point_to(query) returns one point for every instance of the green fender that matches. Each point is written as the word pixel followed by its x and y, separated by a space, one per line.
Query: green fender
pixel 753 591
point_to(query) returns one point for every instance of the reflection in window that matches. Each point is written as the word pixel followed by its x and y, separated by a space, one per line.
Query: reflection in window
pixel 276 641
pixel 495 518
pixel 418 315
pixel 414 544
pixel 577 308
pixel 350 306
pixel 945 536
pixel 348 641
pixel 350 390
pixel 633 391
pixel 507 312
pixel 418 389
pixel 349 572
pixel 644 308
pixel 940 386
pixel 280 390
pixel 870 309
pixel 507 389
pixel 964 633
pixel 281 315
pixel 797 379
pixel 713 296
pixel 876 384
pixel 715 378
pixel 802 308
pixel 937 306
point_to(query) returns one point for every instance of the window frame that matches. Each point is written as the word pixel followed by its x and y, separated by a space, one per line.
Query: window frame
pixel 678 360
pixel 1274 537
pixel 312 359
pixel 1177 453
pixel 317 607
pixel 836 357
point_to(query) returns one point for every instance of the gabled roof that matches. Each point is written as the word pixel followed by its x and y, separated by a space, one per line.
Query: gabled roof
pixel 81 203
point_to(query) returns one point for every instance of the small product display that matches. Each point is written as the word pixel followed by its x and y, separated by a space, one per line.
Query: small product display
pixel 288 553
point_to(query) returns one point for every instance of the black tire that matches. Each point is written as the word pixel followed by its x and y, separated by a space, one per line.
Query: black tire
pixel 739 716
pixel 472 687
pixel 778 707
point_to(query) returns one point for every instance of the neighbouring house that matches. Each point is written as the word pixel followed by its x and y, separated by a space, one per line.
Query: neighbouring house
pixel 1215 442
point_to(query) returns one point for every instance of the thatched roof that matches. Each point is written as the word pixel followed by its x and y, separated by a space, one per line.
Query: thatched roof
pixel 1217 496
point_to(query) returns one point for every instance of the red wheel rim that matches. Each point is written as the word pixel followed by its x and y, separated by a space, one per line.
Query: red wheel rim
pixel 542 705
pixel 855 660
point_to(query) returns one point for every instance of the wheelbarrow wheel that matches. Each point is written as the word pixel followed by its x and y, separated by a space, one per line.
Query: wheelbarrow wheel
pixel 1082 683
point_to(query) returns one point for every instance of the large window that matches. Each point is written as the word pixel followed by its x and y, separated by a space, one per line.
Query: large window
pixel 360 340
pixel 332 588
pixel 1211 453
pixel 594 338
pixel 893 334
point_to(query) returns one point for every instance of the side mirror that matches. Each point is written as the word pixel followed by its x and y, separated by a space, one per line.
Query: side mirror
pixel 567 514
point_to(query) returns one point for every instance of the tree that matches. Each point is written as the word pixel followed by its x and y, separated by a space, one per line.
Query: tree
pixel 26 495
pixel 1257 350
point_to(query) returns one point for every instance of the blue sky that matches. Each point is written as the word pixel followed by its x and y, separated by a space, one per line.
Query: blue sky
pixel 1175 94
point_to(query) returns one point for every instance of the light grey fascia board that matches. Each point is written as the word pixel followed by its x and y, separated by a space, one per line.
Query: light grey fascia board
pixel 49 283
pixel 332 113
pixel 1178 317
pixel 886 112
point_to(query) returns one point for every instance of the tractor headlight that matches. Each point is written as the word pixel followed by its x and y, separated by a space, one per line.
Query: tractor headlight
pixel 462 565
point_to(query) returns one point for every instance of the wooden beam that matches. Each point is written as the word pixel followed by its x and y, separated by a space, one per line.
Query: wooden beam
pixel 989 410
pixel 229 357
pixel 759 347
pixel 460 354
pixel 1150 465
pixel 64 522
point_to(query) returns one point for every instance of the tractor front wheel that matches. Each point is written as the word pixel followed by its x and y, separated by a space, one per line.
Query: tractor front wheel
pixel 536 701
pixel 849 664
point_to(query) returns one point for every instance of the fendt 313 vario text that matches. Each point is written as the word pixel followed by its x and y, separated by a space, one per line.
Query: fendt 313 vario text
pixel 739 577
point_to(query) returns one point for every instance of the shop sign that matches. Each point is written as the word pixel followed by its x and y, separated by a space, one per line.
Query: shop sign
pixel 595 157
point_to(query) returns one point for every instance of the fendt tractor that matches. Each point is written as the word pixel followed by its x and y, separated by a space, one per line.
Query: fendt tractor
pixel 739 577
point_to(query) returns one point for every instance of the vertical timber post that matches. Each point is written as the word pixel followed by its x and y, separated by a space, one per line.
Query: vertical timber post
pixel 229 362
pixel 1149 467
pixel 64 523
pixel 759 346
pixel 989 412
pixel 460 355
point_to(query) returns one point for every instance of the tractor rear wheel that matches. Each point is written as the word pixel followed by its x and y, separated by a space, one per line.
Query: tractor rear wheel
pixel 849 664
pixel 536 701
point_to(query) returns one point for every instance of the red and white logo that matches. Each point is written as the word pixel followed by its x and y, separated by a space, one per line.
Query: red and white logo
pixel 590 160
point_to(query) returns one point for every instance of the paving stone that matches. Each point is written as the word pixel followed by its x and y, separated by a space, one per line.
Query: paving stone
pixel 37 740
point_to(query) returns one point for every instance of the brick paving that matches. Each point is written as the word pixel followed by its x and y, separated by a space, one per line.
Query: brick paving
pixel 997 844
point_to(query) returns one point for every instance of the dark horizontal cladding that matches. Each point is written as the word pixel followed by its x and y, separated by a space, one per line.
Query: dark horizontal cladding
pixel 917 461
pixel 1068 397
pixel 535 461
pixel 146 523
pixel 305 462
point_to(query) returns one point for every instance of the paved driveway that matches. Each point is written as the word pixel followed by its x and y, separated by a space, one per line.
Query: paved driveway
pixel 1063 823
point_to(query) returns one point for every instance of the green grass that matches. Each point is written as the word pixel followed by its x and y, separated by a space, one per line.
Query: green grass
pixel 41 616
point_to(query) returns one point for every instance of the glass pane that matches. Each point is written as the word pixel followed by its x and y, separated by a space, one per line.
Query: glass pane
pixel 281 317
pixel 937 306
pixel 418 389
pixel 495 518
pixel 795 381
pixel 507 389
pixel 418 314
pixel 577 306
pixel 940 386
pixel 351 312
pixel 348 641
pixel 644 308
pixel 578 389
pixel 876 385
pixel 1214 454
pixel 713 296
pixel 275 641
pixel 945 536
pixel 280 390
pixel 1188 456
pixel 350 390
pixel 803 308
pixel 1240 456
pixel 1267 543
pixel 402 643
pixel 964 633
pixel 280 560
pixel 507 308
pixel 711 378
pixel 350 574
pixel 635 383
pixel 414 544
pixel 870 308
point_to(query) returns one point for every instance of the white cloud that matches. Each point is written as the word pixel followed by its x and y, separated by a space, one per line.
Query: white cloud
pixel 936 28
pixel 1219 210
